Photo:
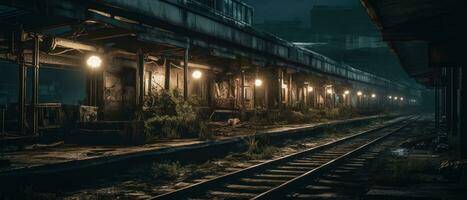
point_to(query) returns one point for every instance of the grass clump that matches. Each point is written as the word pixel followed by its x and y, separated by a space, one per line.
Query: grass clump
pixel 257 149
pixel 168 170
pixel 174 170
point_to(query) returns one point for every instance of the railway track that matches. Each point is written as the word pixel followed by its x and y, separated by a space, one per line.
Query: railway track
pixel 281 176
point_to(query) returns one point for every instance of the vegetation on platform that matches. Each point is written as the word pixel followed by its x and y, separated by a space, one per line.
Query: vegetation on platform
pixel 169 116
pixel 290 116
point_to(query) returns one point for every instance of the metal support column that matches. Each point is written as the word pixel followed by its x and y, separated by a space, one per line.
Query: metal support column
pixel 437 105
pixel 242 94
pixel 22 76
pixel 451 107
pixel 255 96
pixel 280 75
pixel 141 70
pixel 289 92
pixel 463 112
pixel 167 75
pixel 185 73
pixel 35 85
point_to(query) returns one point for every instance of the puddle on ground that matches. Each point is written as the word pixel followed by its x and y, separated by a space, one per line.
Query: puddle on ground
pixel 400 152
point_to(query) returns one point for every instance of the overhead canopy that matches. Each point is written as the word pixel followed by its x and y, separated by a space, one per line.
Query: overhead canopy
pixel 424 34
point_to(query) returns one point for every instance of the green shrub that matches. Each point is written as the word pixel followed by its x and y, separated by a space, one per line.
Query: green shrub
pixel 332 113
pixel 172 117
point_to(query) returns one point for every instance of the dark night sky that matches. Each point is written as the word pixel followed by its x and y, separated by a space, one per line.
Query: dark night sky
pixel 286 10
pixel 290 9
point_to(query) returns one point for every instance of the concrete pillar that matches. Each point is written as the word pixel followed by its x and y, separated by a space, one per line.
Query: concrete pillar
pixel 35 85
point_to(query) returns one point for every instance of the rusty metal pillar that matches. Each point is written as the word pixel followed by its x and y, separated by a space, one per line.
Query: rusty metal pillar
pixel 22 76
pixel 289 92
pixel 437 105
pixel 242 94
pixel 449 77
pixel 167 74
pixel 35 85
pixel 141 70
pixel 266 92
pixel 281 83
pixel 185 73
pixel 255 95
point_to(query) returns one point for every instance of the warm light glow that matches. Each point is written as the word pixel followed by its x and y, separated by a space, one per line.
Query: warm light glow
pixel 197 74
pixel 329 91
pixel 390 97
pixel 258 82
pixel 359 93
pixel 310 89
pixel 373 96
pixel 395 98
pixel 94 61
pixel 346 92
pixel 402 98
pixel 284 86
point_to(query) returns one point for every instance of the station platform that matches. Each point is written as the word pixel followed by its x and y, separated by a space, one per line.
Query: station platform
pixel 62 157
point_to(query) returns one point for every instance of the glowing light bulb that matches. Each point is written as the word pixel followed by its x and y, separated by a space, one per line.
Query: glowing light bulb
pixel 197 74
pixel 94 62
pixel 258 82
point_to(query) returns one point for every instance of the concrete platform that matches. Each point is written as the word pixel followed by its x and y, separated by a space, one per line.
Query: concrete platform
pixel 66 157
